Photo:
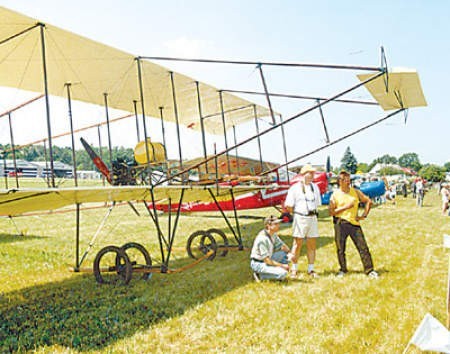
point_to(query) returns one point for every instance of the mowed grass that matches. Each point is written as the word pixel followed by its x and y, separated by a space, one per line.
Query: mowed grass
pixel 216 306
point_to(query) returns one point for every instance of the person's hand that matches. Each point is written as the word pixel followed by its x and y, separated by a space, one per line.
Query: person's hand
pixel 361 217
pixel 349 205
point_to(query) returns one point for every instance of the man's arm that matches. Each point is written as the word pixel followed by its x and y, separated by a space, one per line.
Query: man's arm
pixel 269 261
pixel 334 210
pixel 367 204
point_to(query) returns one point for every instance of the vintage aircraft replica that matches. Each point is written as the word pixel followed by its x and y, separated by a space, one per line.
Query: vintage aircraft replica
pixel 38 57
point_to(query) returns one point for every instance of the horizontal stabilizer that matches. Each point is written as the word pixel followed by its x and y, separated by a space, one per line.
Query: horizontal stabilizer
pixel 403 89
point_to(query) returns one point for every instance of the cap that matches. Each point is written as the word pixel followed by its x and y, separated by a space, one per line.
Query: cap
pixel 306 169
pixel 272 220
pixel 344 172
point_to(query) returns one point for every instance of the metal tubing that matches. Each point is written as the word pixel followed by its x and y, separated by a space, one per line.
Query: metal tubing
pixel 202 124
pixel 144 124
pixel 338 140
pixel 223 213
pixel 224 130
pixel 295 116
pixel 266 92
pixel 74 161
pixel 158 227
pixel 20 33
pixel 4 170
pixel 305 65
pixel 327 137
pixel 47 180
pixel 259 138
pixel 137 120
pixel 285 150
pixel 236 154
pixel 163 131
pixel 47 106
pixel 236 219
pixel 105 96
pixel 77 238
pixel 370 103
pixel 11 137
pixel 227 111
pixel 172 236
pixel 100 152
pixel 97 232
pixel 175 111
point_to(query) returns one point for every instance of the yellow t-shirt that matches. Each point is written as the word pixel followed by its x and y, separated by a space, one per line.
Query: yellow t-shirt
pixel 340 199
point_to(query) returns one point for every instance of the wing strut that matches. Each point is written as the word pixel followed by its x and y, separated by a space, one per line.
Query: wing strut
pixel 100 227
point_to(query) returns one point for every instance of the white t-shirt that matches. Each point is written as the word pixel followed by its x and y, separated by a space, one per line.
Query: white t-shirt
pixel 303 198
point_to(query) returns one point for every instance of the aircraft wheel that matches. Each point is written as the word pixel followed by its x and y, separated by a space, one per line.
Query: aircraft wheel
pixel 220 233
pixel 200 243
pixel 112 260
pixel 139 257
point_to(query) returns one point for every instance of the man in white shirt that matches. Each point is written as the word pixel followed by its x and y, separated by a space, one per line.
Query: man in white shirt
pixel 303 200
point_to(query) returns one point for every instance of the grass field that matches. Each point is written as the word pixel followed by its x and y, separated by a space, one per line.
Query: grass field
pixel 216 306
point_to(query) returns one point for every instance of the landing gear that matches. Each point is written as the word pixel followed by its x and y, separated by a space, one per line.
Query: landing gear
pixel 139 257
pixel 200 243
pixel 112 266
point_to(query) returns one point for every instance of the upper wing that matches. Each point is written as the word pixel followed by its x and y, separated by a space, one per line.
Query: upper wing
pixel 398 89
pixel 20 201
pixel 93 69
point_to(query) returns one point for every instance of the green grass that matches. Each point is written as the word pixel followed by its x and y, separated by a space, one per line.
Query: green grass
pixel 216 306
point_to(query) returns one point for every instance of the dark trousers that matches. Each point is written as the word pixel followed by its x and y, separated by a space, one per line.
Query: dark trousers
pixel 343 229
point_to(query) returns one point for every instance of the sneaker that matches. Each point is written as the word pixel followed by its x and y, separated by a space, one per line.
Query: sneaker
pixel 293 274
pixel 373 275
pixel 340 274
pixel 313 274
pixel 256 277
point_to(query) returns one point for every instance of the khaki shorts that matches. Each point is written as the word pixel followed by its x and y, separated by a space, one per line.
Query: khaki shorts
pixel 305 226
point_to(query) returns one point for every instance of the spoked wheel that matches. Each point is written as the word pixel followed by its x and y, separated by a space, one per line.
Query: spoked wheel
pixel 216 232
pixel 112 266
pixel 139 257
pixel 200 243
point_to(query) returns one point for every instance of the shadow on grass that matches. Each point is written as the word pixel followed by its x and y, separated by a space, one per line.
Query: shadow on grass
pixel 8 238
pixel 81 314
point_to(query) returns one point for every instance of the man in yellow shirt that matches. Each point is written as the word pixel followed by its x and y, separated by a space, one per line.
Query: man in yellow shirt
pixel 343 206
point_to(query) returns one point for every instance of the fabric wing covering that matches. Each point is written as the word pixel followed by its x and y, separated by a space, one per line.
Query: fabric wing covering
pixel 93 69
pixel 403 89
pixel 17 202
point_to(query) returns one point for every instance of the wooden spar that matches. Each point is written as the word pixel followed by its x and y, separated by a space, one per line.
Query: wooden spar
pixel 67 133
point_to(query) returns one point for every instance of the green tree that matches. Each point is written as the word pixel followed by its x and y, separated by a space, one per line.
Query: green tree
pixel 390 171
pixel 349 162
pixel 432 173
pixel 363 167
pixel 410 160
pixel 447 166
pixel 385 159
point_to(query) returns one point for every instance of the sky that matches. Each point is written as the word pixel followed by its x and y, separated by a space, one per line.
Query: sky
pixel 413 33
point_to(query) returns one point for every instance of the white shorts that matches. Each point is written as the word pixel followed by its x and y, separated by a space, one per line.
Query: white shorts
pixel 305 226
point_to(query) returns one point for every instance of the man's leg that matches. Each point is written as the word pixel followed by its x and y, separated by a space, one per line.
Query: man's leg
pixel 296 248
pixel 267 272
pixel 359 240
pixel 340 237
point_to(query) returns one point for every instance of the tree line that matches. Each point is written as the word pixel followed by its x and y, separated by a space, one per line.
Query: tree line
pixel 430 172
pixel 64 154
pixel 349 162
